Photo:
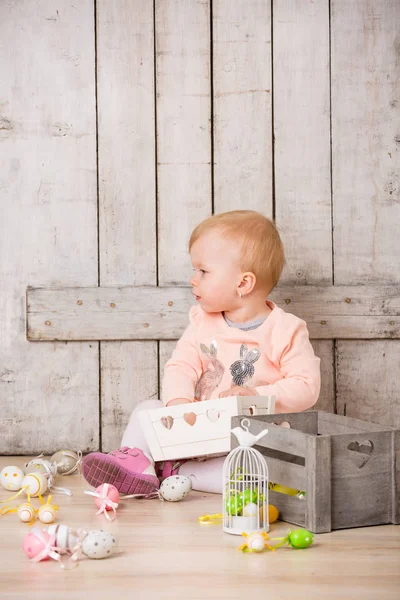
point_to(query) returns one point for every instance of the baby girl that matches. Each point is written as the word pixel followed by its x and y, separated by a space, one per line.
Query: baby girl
pixel 237 343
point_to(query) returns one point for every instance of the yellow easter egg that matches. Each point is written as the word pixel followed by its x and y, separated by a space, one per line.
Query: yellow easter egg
pixel 273 513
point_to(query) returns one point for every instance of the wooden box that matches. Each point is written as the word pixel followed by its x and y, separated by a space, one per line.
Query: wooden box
pixel 198 428
pixel 349 469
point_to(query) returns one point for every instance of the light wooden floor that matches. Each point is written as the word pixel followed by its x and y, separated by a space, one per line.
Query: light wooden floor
pixel 165 553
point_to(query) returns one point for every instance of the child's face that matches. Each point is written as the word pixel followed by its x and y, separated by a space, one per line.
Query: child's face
pixel 217 272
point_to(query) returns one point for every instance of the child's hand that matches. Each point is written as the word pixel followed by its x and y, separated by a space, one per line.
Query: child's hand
pixel 239 390
pixel 177 401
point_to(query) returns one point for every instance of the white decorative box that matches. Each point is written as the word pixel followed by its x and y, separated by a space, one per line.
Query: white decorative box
pixel 198 428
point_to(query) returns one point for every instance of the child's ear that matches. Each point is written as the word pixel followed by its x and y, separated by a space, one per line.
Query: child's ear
pixel 247 283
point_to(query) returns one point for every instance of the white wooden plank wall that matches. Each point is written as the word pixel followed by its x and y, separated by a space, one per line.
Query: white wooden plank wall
pixel 188 98
pixel 302 154
pixel 242 107
pixel 48 231
pixel 127 195
pixel 366 176
pixel 183 102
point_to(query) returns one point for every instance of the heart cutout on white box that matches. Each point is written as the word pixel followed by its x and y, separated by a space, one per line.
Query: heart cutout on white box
pixel 212 415
pixel 360 452
pixel 167 422
pixel 190 418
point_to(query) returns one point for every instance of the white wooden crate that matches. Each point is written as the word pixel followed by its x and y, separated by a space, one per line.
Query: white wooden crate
pixel 209 435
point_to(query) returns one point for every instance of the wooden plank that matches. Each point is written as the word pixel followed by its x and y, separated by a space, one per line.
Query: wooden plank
pixel 365 144
pixel 242 107
pixel 362 482
pixel 306 422
pixel 183 130
pixel 318 484
pixel 396 479
pixel 302 139
pixel 162 313
pixel 126 142
pixel 127 203
pixel 128 376
pixel 48 233
pixel 366 171
pixel 284 473
pixel 277 438
pixel 302 156
pixel 338 424
pixel 368 386
pixel 291 509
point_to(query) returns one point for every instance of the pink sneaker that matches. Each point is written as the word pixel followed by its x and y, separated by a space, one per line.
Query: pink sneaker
pixel 168 468
pixel 128 469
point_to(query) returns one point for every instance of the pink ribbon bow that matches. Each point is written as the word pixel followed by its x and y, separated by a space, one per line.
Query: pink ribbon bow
pixel 105 502
pixel 50 549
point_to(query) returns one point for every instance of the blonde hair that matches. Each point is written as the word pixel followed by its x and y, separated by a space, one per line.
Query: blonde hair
pixel 262 250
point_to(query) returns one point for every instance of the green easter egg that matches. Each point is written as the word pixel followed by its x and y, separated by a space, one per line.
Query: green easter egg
pixel 249 497
pixel 300 538
pixel 234 505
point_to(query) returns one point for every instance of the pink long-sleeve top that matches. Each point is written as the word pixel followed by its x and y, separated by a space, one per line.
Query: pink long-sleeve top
pixel 276 359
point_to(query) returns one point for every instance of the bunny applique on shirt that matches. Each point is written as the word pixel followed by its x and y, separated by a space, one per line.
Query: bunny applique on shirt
pixel 242 370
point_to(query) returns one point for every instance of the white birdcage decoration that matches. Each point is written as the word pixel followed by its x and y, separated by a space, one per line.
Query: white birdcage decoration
pixel 245 485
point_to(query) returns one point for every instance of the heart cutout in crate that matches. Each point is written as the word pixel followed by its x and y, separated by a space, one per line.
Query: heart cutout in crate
pixel 213 415
pixel 284 424
pixel 190 418
pixel 167 422
pixel 360 453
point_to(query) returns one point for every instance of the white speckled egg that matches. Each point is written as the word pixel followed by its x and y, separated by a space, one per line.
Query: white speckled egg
pixel 99 544
pixel 11 478
pixel 175 488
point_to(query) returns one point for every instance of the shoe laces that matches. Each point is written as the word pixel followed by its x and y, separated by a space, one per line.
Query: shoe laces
pixel 124 452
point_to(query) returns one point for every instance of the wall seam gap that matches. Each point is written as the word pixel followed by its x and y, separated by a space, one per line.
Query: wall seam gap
pixel 157 214
pixel 212 106
pixel 272 115
pixel 98 212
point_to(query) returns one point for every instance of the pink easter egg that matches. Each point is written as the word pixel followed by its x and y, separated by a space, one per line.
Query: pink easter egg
pixel 108 490
pixel 32 545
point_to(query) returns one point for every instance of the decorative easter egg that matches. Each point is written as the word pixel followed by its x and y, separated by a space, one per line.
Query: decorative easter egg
pixel 32 544
pixel 46 514
pixel 250 510
pixel 300 538
pixel 234 505
pixel 175 488
pixel 62 534
pixel 256 542
pixel 273 513
pixel 106 490
pixel 249 496
pixel 38 465
pixel 11 478
pixel 36 484
pixel 67 461
pixel 98 544
pixel 26 513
